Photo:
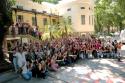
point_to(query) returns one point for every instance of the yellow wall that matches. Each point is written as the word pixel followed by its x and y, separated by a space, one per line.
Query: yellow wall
pixel 27 17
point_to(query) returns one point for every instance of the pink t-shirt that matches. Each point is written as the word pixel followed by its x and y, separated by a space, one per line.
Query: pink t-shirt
pixel 98 45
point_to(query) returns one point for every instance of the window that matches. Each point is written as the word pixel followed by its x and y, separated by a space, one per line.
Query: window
pixel 92 20
pixel 19 18
pixel 54 21
pixel 82 19
pixel 69 9
pixel 82 7
pixel 33 21
pixel 44 21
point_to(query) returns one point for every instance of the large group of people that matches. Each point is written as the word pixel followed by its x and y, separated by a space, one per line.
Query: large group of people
pixel 22 28
pixel 35 59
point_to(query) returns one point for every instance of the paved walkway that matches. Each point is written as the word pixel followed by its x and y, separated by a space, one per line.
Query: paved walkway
pixel 85 71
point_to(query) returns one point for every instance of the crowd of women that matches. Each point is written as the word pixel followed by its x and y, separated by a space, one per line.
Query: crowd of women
pixel 35 59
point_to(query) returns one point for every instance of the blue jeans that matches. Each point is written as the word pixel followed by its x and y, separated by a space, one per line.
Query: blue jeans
pixel 27 76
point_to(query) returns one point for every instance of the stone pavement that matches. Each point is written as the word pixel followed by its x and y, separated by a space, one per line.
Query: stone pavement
pixel 8 76
pixel 85 71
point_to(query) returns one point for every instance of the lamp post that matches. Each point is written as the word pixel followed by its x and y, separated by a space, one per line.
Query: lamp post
pixel 65 27
pixel 50 33
pixel 57 13
pixel 50 24
pixel 58 18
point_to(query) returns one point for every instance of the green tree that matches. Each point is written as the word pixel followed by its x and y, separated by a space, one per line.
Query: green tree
pixel 109 13
pixel 120 15
pixel 121 4
pixel 6 18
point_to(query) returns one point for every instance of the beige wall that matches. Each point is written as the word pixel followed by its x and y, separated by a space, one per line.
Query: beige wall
pixel 27 17
pixel 49 8
pixel 61 9
pixel 76 13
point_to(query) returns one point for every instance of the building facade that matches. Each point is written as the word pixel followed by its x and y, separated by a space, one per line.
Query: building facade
pixel 80 12
pixel 35 14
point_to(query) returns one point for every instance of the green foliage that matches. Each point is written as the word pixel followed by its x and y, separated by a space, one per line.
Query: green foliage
pixel 12 2
pixel 58 30
pixel 121 4
pixel 6 11
pixel 109 13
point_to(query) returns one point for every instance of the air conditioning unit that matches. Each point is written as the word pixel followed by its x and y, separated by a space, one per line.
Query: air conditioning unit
pixel 19 7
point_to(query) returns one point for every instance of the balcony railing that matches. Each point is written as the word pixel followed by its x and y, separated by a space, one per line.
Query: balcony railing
pixel 17 29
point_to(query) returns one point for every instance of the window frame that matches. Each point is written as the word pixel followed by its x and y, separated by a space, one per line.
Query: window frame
pixel 83 19
pixel 33 21
pixel 44 21
pixel 20 18
pixel 69 9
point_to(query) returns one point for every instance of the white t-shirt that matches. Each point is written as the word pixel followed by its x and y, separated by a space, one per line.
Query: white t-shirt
pixel 21 60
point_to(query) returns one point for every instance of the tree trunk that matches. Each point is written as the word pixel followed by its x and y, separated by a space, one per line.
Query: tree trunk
pixel 2 39
pixel 108 28
pixel 5 20
pixel 120 26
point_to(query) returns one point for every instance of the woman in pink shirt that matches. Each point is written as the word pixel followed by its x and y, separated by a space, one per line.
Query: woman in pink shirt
pixel 98 45
pixel 54 65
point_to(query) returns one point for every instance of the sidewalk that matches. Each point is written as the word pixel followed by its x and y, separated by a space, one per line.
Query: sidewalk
pixel 8 76
pixel 89 71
